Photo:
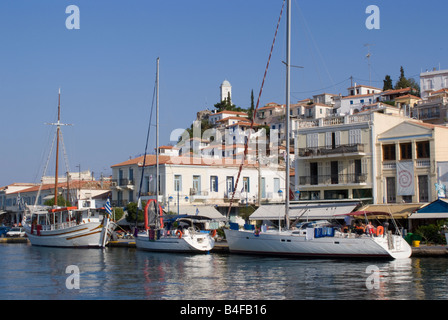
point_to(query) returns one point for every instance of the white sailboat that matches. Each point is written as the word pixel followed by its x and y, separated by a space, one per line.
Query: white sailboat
pixel 158 236
pixel 317 239
pixel 82 226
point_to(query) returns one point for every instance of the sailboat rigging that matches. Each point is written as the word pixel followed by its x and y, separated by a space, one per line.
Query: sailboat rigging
pixel 158 235
pixel 82 226
pixel 316 238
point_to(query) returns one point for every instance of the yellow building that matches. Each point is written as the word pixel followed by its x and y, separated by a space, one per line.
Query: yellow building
pixel 409 156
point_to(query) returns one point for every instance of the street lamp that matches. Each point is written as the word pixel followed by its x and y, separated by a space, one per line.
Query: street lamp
pixel 170 198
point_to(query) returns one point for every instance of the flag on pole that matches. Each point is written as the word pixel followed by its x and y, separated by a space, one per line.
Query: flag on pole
pixel 108 208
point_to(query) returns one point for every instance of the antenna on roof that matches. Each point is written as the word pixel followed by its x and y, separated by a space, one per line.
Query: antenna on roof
pixel 368 56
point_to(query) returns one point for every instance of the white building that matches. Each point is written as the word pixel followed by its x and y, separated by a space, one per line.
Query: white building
pixel 193 180
pixel 358 96
pixel 432 81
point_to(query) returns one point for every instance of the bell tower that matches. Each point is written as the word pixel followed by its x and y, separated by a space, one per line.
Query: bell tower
pixel 226 90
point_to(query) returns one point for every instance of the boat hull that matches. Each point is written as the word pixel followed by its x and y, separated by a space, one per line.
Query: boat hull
pixel 200 243
pixel 86 235
pixel 288 244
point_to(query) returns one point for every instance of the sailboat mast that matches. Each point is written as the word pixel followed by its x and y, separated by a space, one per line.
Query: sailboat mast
pixel 157 134
pixel 57 150
pixel 288 103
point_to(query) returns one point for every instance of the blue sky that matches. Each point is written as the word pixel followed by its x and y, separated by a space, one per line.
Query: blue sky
pixel 106 69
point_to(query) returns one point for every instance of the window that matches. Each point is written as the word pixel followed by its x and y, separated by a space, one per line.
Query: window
pixel 389 152
pixel 406 151
pixel 390 186
pixel 354 136
pixel 246 184
pixel 335 194
pixel 423 194
pixel 229 184
pixel 312 140
pixel 422 149
pixel 197 183
pixel 177 183
pixel 214 184
pixel 276 184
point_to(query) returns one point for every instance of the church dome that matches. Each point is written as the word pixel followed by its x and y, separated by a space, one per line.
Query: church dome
pixel 226 83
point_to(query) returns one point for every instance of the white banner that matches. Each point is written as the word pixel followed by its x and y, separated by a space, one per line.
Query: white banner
pixel 405 178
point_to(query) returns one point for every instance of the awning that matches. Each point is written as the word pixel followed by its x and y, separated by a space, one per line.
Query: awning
pixel 437 209
pixel 398 211
pixel 311 211
pixel 204 211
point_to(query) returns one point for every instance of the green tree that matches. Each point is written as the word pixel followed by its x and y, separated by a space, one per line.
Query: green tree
pixel 61 202
pixel 387 83
pixel 403 82
pixel 250 112
pixel 227 104
pixel 132 209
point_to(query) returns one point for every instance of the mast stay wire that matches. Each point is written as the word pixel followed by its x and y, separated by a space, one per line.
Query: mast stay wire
pixel 254 113
pixel 310 38
pixel 148 134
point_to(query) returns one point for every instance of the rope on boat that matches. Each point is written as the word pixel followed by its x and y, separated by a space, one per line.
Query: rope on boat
pixel 254 113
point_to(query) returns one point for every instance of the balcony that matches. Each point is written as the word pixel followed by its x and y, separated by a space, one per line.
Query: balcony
pixel 198 195
pixel 333 179
pixel 325 151
pixel 122 183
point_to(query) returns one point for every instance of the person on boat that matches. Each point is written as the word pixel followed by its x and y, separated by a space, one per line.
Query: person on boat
pixel 370 229
pixel 360 228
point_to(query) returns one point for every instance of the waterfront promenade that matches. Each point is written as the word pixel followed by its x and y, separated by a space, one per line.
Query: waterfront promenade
pixel 222 247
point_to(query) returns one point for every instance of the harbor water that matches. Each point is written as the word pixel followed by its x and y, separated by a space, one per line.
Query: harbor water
pixel 29 272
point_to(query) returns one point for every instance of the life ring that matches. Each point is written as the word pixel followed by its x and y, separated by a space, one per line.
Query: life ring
pixel 213 233
pixel 178 232
pixel 379 231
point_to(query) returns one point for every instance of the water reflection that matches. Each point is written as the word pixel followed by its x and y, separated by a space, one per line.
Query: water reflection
pixel 118 273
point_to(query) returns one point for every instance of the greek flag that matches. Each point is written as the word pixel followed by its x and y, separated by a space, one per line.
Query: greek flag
pixel 108 208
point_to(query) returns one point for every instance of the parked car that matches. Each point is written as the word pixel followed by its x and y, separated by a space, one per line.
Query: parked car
pixel 16 232
pixel 3 231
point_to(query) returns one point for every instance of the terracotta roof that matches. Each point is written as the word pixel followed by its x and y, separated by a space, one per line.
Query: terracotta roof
pixel 271 106
pixel 230 112
pixel 394 91
pixel 361 85
pixel 182 160
pixel 360 96
pixel 232 118
pixel 440 91
pixel 408 96
pixel 74 184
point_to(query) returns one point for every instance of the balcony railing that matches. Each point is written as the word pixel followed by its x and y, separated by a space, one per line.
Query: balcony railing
pixel 333 179
pixel 122 182
pixel 324 151
pixel 194 192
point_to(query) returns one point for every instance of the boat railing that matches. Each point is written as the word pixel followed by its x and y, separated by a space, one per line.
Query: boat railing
pixel 59 226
